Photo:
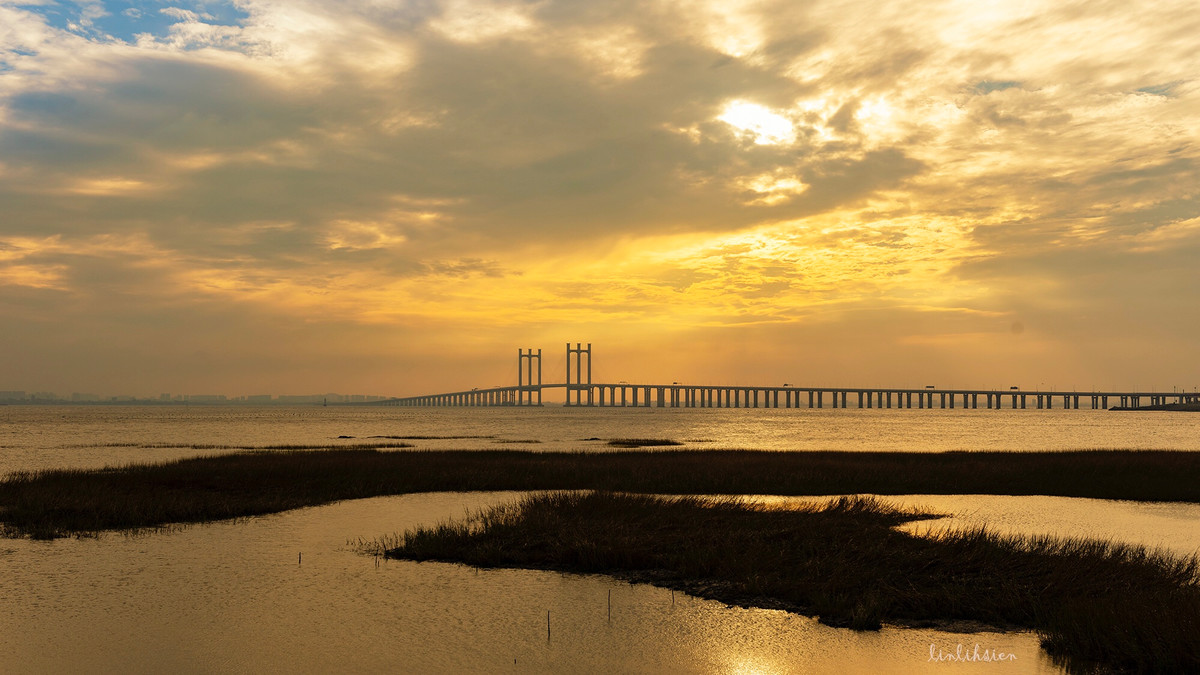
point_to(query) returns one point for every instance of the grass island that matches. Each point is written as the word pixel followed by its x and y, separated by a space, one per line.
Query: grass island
pixel 1098 606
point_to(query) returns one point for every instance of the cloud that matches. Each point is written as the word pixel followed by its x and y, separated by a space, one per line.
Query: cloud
pixel 683 166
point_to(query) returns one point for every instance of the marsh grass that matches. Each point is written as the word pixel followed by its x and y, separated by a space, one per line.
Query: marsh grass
pixel 217 446
pixel 65 502
pixel 1095 604
pixel 430 438
pixel 641 442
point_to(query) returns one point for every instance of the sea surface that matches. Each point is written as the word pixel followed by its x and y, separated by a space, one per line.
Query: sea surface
pixel 44 437
pixel 293 592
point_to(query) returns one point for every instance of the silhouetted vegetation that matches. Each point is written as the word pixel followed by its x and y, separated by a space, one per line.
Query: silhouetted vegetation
pixel 641 442
pixel 220 446
pixel 1096 604
pixel 429 438
pixel 56 503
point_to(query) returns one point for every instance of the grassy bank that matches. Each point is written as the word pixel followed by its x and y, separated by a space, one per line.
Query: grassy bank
pixel 1095 604
pixel 55 503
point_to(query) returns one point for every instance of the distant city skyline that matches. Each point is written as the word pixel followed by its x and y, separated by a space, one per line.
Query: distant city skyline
pixel 308 196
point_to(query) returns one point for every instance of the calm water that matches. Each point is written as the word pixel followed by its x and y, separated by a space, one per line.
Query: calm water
pixel 33 437
pixel 231 597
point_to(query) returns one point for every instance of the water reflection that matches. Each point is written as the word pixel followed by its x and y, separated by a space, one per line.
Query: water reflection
pixel 41 437
pixel 1167 525
pixel 233 597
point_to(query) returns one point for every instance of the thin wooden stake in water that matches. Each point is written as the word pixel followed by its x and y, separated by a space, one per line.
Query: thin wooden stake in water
pixel 610 605
pixel 299 558
pixel 547 625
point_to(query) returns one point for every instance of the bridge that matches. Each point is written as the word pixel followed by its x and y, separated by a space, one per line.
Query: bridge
pixel 581 391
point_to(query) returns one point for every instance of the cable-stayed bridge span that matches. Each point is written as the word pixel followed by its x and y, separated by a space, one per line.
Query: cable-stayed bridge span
pixel 582 391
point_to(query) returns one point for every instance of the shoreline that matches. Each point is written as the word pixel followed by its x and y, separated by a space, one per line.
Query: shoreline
pixel 59 503
pixel 1094 604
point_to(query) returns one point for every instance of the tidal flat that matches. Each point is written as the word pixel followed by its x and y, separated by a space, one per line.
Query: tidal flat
pixel 54 503
pixel 1090 601
pixel 1097 606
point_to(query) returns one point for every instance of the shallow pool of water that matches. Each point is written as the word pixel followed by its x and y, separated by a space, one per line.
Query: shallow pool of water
pixel 289 593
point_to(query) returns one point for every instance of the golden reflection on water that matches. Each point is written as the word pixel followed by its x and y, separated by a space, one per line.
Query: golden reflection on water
pixel 232 597
pixel 751 665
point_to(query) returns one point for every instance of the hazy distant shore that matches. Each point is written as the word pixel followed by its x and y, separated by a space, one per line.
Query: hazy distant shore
pixel 1170 407
pixel 66 502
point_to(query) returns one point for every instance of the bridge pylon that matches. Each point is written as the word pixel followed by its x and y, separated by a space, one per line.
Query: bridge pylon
pixel 525 385
pixel 579 386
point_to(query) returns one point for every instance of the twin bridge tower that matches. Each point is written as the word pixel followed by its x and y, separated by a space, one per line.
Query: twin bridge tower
pixel 527 389
pixel 581 391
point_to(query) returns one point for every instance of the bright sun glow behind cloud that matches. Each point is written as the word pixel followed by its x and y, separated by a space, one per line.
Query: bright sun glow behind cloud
pixel 767 127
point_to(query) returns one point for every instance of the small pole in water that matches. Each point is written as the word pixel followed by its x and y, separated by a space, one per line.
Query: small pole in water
pixel 610 605
pixel 672 597
pixel 547 625
pixel 299 558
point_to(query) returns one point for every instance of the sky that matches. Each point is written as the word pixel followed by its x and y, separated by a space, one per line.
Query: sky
pixel 392 197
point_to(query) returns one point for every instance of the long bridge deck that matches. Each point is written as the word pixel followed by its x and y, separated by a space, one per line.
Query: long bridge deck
pixel 583 392
pixel 625 395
